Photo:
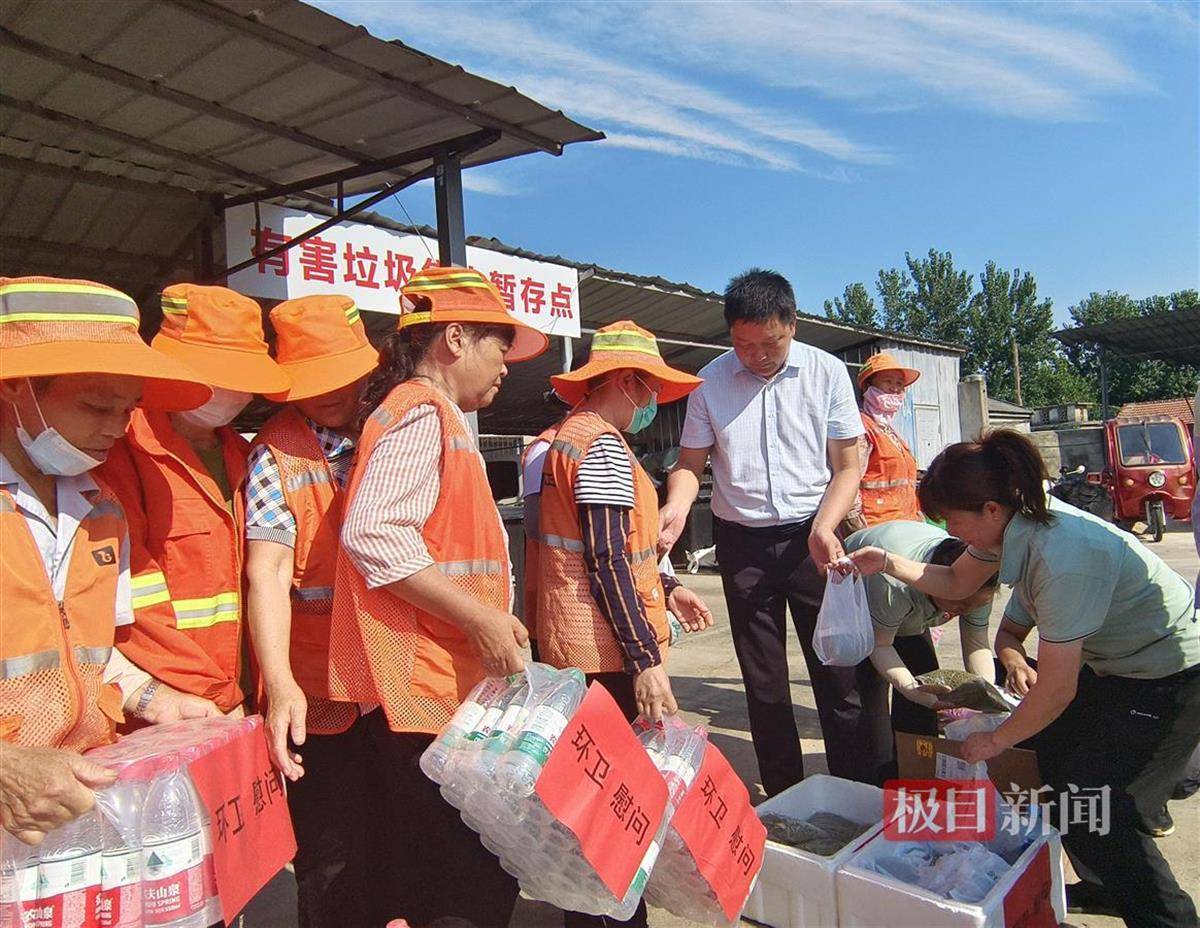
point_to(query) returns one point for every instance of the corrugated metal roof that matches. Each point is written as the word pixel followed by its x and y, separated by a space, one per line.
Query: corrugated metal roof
pixel 120 120
pixel 1171 336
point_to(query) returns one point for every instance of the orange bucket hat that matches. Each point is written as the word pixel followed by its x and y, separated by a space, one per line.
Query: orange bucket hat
pixel 52 325
pixel 878 363
pixel 321 343
pixel 624 346
pixel 461 294
pixel 219 334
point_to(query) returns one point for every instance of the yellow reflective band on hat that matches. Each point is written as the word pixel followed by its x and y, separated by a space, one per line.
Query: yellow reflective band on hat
pixel 62 302
pixel 414 319
pixel 470 281
pixel 352 314
pixel 174 305
pixel 625 341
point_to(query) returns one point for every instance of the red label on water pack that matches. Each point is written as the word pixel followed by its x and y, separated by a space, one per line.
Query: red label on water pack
pixel 1027 904
pixel 68 910
pixel 600 782
pixel 251 834
pixel 173 897
pixel 719 827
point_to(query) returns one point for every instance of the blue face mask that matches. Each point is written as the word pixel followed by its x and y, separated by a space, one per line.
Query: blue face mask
pixel 642 415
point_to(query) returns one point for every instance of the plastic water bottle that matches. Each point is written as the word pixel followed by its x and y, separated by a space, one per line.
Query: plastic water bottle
pixel 120 902
pixel 457 773
pixel 173 881
pixel 18 881
pixel 518 770
pixel 68 880
pixel 464 721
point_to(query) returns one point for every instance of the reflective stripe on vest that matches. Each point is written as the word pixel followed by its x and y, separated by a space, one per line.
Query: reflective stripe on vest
pixel 206 611
pixel 308 479
pixel 149 589
pixel 886 484
pixel 465 568
pixel 460 443
pixel 565 447
pixel 567 544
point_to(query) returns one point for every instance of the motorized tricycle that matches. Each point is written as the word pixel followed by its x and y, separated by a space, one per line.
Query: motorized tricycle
pixel 1149 473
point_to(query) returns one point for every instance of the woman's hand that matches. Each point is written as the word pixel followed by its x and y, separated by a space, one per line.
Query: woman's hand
pixel 497 638
pixel 1019 678
pixel 980 746
pixel 652 690
pixel 687 606
pixel 287 713
pixel 866 561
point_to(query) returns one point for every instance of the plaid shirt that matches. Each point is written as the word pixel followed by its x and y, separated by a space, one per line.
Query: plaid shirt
pixel 268 517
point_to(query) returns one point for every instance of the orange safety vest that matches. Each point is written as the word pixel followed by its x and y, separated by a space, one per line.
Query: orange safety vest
pixel 53 654
pixel 889 485
pixel 572 632
pixel 186 556
pixel 315 501
pixel 531 547
pixel 385 650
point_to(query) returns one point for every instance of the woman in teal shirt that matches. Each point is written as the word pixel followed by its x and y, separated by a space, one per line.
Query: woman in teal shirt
pixel 1115 699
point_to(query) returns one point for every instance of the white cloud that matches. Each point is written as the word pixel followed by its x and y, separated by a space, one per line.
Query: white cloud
pixel 743 83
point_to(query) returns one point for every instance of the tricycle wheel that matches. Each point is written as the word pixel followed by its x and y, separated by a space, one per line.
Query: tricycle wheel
pixel 1156 519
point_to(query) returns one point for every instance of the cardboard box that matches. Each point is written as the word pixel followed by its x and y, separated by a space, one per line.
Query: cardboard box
pixel 1030 895
pixel 796 889
pixel 925 758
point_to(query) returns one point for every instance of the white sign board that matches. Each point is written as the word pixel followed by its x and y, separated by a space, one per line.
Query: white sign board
pixel 370 265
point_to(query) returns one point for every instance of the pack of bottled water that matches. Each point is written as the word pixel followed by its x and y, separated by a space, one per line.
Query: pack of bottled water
pixel 142 857
pixel 487 762
pixel 676 883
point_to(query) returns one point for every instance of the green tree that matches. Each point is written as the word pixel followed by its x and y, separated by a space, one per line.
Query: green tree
pixel 930 299
pixel 1131 380
pixel 1006 311
pixel 854 306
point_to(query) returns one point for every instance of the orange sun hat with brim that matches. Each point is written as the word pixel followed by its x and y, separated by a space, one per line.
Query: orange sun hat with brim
pixel 320 341
pixel 50 326
pixel 624 346
pixel 878 363
pixel 461 294
pixel 218 333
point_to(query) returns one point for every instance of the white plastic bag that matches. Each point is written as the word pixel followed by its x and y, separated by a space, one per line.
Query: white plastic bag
pixel 844 635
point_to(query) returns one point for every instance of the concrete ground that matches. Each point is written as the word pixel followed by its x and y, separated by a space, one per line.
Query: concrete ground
pixel 708 686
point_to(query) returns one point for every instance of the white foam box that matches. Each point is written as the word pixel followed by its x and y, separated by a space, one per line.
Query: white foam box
pixel 1031 894
pixel 796 889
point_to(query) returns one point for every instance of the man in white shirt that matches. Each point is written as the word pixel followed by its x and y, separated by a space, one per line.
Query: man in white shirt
pixel 780 424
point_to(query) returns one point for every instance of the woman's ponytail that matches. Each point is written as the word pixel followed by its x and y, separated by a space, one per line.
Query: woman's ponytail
pixel 399 356
pixel 1003 467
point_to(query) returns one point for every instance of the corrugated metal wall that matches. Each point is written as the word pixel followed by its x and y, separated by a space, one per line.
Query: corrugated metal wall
pixel 934 398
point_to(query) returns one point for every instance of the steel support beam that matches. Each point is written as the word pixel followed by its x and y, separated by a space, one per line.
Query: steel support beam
pixel 472 142
pixel 74 122
pixel 131 81
pixel 448 198
pixel 335 62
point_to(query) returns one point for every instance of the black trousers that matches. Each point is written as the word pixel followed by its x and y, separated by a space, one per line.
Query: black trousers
pixel 765 572
pixel 331 807
pixel 919 657
pixel 620 686
pixel 1134 737
pixel 437 867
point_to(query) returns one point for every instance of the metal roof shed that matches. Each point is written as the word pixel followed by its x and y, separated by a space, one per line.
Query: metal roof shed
pixel 126 126
pixel 1173 337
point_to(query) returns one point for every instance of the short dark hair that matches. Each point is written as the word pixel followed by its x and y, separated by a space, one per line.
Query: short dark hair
pixel 759 295
pixel 950 550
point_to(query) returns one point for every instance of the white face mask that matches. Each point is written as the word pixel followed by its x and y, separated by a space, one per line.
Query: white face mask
pixel 220 410
pixel 50 453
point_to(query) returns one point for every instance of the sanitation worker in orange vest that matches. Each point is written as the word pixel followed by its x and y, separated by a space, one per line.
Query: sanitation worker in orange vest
pixel 422 596
pixel 598 519
pixel 888 489
pixel 180 477
pixel 299 465
pixel 73 369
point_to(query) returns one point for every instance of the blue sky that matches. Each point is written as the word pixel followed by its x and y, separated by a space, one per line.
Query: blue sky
pixel 825 140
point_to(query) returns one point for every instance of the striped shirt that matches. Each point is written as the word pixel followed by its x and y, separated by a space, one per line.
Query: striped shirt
pixel 605 476
pixel 382 530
